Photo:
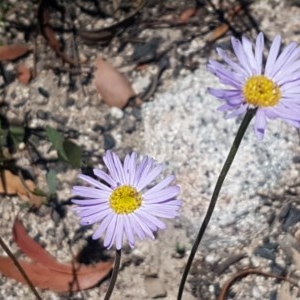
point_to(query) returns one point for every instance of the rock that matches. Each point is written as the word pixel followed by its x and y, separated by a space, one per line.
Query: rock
pixel 155 288
pixel 109 141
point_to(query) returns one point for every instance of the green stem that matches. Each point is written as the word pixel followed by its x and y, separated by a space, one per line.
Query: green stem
pixel 114 275
pixel 233 150
pixel 19 267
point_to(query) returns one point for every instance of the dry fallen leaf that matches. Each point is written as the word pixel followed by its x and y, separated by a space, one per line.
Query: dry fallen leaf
pixel 223 28
pixel 23 73
pixel 187 14
pixel 114 87
pixel 47 273
pixel 12 52
pixel 11 184
pixel 81 278
pixel 44 11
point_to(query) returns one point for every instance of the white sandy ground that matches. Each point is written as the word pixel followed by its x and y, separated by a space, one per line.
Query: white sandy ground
pixel 183 128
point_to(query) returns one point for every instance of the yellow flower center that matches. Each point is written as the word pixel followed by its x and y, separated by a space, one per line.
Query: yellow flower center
pixel 261 91
pixel 125 199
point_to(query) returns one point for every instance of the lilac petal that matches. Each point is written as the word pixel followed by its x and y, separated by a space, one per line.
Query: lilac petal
pixel 109 162
pixel 163 195
pixel 147 169
pixel 224 75
pixel 119 232
pixel 225 107
pixel 94 218
pixel 143 226
pixel 128 231
pixel 146 222
pixel 293 123
pixel 86 202
pixel 260 124
pixel 172 205
pixel 126 168
pixel 287 113
pixel 137 229
pixel 272 55
pixel 259 50
pixel 110 233
pixel 235 67
pixel 119 169
pixel 102 227
pixel 146 162
pixel 248 49
pixel 241 56
pixel 94 182
pixel 291 86
pixel 146 179
pixel 289 58
pixel 104 176
pixel 292 99
pixel 89 192
pixel 156 223
pixel 237 101
pixel 288 107
pixel 239 111
pixel 88 211
pixel 284 72
pixel 225 93
pixel 286 55
pixel 132 168
pixel 162 213
pixel 159 186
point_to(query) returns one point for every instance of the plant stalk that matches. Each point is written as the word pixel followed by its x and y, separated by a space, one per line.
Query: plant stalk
pixel 231 155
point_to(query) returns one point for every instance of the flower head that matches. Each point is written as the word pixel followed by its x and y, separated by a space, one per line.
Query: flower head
pixel 121 203
pixel 271 86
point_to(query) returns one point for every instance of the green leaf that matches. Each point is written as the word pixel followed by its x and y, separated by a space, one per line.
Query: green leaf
pixel 57 139
pixel 39 192
pixel 17 130
pixel 16 134
pixel 73 152
pixel 52 181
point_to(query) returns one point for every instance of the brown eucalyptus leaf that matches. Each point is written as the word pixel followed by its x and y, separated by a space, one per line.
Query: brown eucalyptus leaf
pixel 33 249
pixel 11 184
pixel 23 73
pixel 46 272
pixel 187 14
pixel 114 87
pixel 76 279
pixel 12 52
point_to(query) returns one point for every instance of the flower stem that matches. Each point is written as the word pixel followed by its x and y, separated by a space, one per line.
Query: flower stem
pixel 114 275
pixel 19 267
pixel 233 150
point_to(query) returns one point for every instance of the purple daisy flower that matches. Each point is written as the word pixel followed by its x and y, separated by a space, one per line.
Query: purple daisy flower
pixel 122 205
pixel 271 86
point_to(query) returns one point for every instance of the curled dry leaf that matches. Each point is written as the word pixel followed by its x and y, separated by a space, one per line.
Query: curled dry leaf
pixel 23 73
pixel 44 15
pixel 11 184
pixel 46 272
pixel 223 28
pixel 12 52
pixel 114 87
pixel 187 14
